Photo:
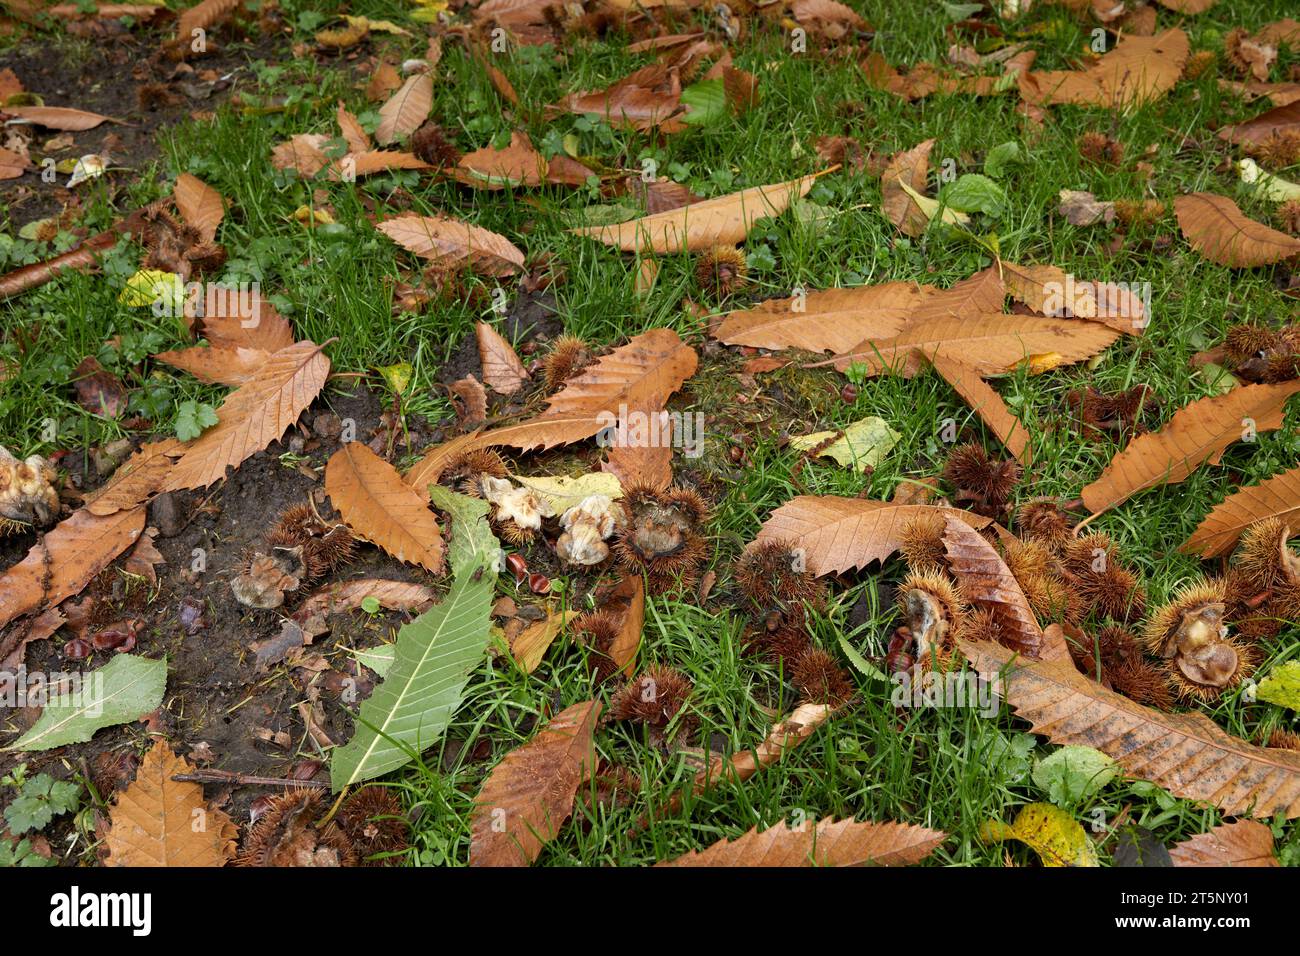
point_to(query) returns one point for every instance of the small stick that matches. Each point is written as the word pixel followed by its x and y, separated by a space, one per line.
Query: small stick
pixel 229 776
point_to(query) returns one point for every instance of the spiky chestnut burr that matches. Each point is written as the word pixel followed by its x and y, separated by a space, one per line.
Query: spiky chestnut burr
pixel 286 834
pixel 660 535
pixel 721 271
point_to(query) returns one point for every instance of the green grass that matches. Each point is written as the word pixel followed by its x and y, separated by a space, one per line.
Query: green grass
pixel 945 768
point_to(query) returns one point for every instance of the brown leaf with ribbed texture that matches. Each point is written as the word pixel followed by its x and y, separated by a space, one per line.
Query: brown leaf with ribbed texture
pixel 348 595
pixel 529 794
pixel 200 205
pixel 1281 119
pixel 1220 231
pixel 641 374
pixel 843 534
pixel 831 843
pixel 724 221
pixel 1188 6
pixel 254 415
pixel 66 560
pixel 991 344
pixel 1244 843
pixel 217 366
pixel 980 293
pixel 1187 754
pixel 1139 70
pixel 1197 433
pixel 833 320
pixel 374 502
pixel 244 322
pixel 987 584
pixel 449 241
pixel 987 404
pixel 640 462
pixel 158 821
pixel 137 479
pixel 406 109
pixel 502 370
pixel 304 152
pixel 1276 497
pixel 350 128
pixel 59 117
pixel 1049 291
pixel 913 168
pixel 518 164
pixel 203 16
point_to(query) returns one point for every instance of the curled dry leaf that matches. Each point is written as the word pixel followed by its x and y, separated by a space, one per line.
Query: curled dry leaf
pixel 66 560
pixel 158 821
pixel 782 738
pixel 1220 231
pixel 913 169
pixel 354 135
pixel 1197 433
pixel 627 600
pixel 348 596
pixel 502 370
pixel 830 843
pixel 203 16
pixel 1244 843
pixel 1139 70
pixel 1187 754
pixel 406 109
pixel 1276 497
pixel 844 534
pixel 529 794
pixel 988 584
pixel 987 404
pixel 200 205
pixel 254 415
pixel 449 241
pixel 375 503
pixel 724 221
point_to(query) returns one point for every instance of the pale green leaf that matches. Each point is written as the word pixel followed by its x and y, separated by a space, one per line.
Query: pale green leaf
pixel 124 689
pixel 863 445
pixel 433 656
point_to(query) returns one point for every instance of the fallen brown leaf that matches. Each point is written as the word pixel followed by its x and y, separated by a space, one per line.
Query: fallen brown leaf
pixel 1139 70
pixel 844 534
pixel 529 794
pixel 449 241
pixel 913 168
pixel 375 503
pixel 725 220
pixel 257 413
pixel 1276 497
pixel 200 205
pixel 158 821
pixel 831 843
pixel 1220 231
pixel 1197 433
pixel 987 404
pixel 1187 754
pixel 1244 843
pixel 834 320
pixel 406 109
pixel 502 370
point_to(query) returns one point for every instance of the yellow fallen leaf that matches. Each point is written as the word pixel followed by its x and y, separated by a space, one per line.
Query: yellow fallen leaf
pixel 376 26
pixel 1042 362
pixel 530 645
pixel 153 285
pixel 311 218
pixel 930 207
pixel 1049 831
pixel 563 493
pixel 862 445
pixel 397 377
